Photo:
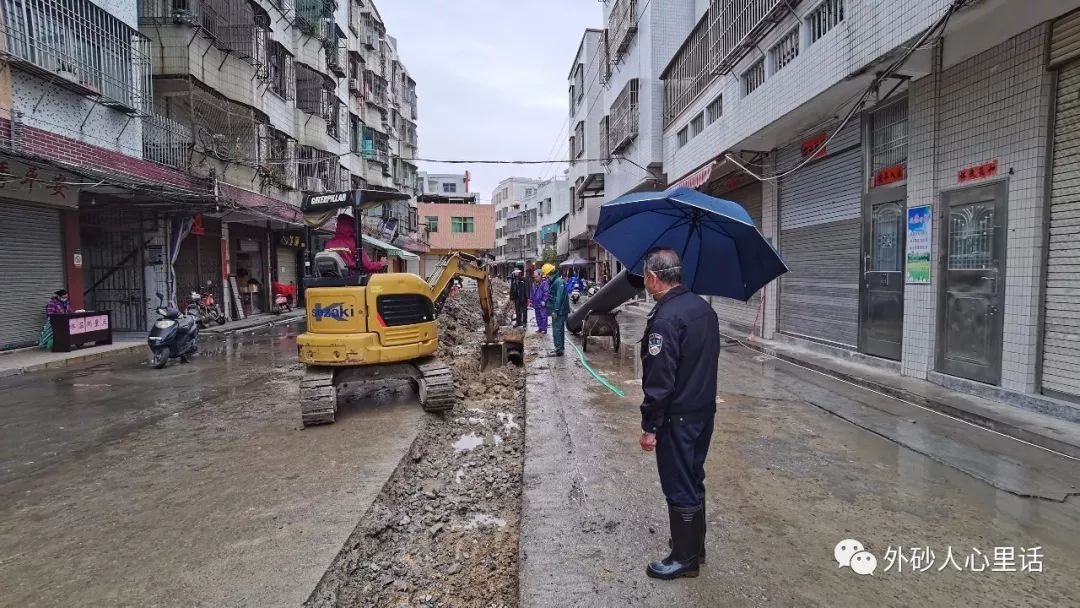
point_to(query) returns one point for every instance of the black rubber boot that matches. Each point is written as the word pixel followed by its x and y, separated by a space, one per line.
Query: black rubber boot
pixel 687 529
pixel 701 552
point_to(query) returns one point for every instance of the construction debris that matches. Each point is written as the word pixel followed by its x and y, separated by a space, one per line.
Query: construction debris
pixel 444 530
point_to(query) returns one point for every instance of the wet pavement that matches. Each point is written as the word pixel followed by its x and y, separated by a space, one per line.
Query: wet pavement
pixel 192 485
pixel 799 462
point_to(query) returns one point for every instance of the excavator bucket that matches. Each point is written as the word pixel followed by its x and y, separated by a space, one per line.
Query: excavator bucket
pixel 492 355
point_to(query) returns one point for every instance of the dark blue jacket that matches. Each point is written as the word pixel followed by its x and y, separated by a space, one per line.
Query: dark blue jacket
pixel 679 357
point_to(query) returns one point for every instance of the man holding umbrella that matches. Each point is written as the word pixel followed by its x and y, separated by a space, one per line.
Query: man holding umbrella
pixel 679 356
pixel 684 244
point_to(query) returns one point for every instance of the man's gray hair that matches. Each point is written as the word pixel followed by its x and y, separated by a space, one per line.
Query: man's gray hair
pixel 666 264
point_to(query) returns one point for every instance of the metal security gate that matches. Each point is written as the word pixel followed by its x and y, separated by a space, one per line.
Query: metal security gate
pixel 820 234
pixel 114 245
pixel 199 260
pixel 32 264
pixel 741 315
pixel 1061 329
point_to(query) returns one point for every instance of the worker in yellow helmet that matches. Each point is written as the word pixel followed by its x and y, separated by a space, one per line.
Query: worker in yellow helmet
pixel 558 306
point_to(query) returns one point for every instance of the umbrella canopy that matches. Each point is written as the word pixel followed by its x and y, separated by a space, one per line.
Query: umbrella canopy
pixel 575 261
pixel 722 252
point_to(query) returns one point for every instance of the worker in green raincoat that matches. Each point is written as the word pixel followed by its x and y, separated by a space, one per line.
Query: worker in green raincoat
pixel 558 306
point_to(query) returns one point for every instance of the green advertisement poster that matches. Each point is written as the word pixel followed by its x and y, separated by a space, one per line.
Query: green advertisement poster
pixel 919 223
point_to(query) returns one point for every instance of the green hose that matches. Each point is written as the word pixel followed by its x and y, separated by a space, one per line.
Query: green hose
pixel 592 371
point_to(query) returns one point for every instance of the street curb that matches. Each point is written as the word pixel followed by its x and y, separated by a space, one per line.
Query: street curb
pixel 976 418
pixel 37 367
pixel 75 360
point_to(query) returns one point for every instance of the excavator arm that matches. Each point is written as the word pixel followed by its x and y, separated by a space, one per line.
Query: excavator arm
pixel 460 264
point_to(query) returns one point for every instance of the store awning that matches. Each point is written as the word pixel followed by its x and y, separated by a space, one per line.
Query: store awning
pixel 696 178
pixel 390 249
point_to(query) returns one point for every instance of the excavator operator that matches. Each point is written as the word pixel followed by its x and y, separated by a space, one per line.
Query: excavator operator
pixel 344 242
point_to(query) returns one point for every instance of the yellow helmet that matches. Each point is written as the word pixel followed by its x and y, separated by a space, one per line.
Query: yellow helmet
pixel 547 269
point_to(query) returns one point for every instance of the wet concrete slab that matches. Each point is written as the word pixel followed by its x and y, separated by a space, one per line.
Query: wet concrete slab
pixel 788 477
pixel 192 485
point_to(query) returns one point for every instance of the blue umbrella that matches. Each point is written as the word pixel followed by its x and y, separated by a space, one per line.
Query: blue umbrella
pixel 722 252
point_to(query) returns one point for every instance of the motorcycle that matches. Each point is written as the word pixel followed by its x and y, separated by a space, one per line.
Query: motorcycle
pixel 209 311
pixel 282 298
pixel 575 295
pixel 173 336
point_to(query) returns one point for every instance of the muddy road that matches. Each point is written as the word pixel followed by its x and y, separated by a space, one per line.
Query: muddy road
pixel 192 485
pixel 798 463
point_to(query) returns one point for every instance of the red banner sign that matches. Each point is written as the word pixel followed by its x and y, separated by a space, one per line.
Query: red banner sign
pixel 888 175
pixel 813 143
pixel 982 171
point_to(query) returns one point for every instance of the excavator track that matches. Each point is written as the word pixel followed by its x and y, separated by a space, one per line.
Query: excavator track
pixel 435 385
pixel 318 396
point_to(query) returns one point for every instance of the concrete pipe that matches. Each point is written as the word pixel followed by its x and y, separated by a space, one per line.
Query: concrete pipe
pixel 616 291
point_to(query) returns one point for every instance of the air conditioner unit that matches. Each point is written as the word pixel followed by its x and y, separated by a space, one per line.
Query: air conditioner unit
pixel 354 85
pixel 313 184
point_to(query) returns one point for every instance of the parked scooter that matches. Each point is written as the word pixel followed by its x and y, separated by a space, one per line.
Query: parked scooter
pixel 173 335
pixel 209 312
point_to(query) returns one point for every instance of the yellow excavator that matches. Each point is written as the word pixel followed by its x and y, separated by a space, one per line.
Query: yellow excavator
pixel 372 327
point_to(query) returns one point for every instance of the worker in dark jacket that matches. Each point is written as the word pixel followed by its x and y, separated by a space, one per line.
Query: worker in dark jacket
pixel 519 295
pixel 558 306
pixel 679 355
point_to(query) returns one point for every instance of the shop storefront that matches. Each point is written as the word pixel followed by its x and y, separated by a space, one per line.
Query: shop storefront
pixel 1061 322
pixel 289 258
pixel 32 263
pixel 198 260
pixel 820 234
pixel 249 262
pixel 742 189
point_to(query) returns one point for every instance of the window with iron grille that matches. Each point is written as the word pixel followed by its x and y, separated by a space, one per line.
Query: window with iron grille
pixel 573 100
pixel 85 47
pixel 692 69
pixel 785 51
pixel 715 109
pixel 281 73
pixel 624 117
pixel 571 148
pixel 888 136
pixel 579 81
pixel 622 25
pixel 605 140
pixel 579 135
pixel 697 125
pixel 355 133
pixel 824 18
pixel 753 77
pixel 683 136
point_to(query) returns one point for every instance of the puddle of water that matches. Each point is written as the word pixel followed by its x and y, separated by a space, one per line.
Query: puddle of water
pixel 484 520
pixel 468 442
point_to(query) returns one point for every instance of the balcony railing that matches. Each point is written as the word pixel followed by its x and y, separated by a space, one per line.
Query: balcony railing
pixel 622 25
pixel 80 46
pixel 625 114
pixel 723 36
pixel 167 142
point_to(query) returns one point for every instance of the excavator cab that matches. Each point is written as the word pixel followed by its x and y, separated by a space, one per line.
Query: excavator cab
pixel 366 329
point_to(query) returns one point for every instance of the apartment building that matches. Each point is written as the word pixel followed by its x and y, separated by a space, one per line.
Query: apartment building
pixel 616 105
pixel 552 202
pixel 914 164
pixel 511 225
pixel 456 226
pixel 161 144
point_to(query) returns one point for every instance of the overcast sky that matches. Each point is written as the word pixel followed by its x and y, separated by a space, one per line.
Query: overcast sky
pixel 491 77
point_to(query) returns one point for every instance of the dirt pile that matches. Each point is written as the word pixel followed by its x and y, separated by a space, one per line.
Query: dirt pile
pixel 444 531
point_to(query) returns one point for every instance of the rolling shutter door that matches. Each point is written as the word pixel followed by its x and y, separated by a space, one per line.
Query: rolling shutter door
pixel 741 315
pixel 286 265
pixel 32 264
pixel 199 259
pixel 1061 335
pixel 820 232
pixel 1065 39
